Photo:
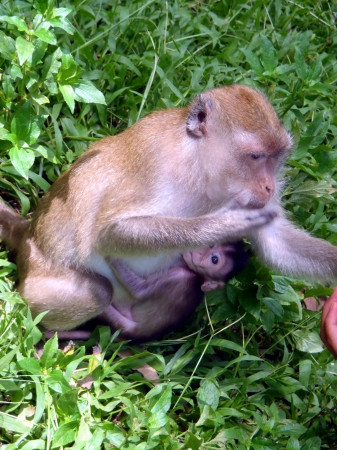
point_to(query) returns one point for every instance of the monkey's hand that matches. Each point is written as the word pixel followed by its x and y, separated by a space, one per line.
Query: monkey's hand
pixel 329 324
pixel 244 221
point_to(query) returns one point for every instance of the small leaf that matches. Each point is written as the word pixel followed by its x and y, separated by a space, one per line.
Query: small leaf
pixel 68 95
pixel 86 92
pixel 46 36
pixel 24 49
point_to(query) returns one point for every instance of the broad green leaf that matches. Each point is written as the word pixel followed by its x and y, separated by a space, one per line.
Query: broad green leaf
pixel 65 434
pixel 69 72
pixel 307 341
pixel 268 55
pixel 41 99
pixel 67 402
pixel 273 306
pixel 5 360
pixel 115 438
pixel 36 444
pixel 293 444
pixel 41 5
pixel 208 395
pixel 313 443
pixel 160 398
pixel 290 428
pixel 253 60
pixel 268 320
pixel 31 365
pixel 22 121
pixel 300 64
pixel 7 46
pixel 158 420
pixel 305 371
pixel 315 71
pixel 24 49
pixel 14 20
pixel 46 36
pixel 50 351
pixel 63 23
pixel 174 89
pixel 22 159
pixel 61 12
pixel 68 95
pixel 192 442
pixel 224 343
pixel 15 424
pixel 40 400
pixel 85 91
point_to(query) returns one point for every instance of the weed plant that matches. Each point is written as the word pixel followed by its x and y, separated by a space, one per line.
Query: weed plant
pixel 248 371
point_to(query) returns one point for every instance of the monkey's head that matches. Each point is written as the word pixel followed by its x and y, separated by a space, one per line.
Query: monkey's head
pixel 217 264
pixel 242 142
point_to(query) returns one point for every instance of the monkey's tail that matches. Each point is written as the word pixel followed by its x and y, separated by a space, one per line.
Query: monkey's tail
pixel 12 227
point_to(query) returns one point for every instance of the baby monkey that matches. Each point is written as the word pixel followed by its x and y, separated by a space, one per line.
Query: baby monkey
pixel 161 302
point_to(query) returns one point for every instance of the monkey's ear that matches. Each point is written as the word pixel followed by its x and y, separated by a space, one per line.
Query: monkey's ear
pixel 212 285
pixel 196 122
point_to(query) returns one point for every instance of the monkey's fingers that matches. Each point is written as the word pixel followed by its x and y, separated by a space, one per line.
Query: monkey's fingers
pixel 247 220
pixel 329 324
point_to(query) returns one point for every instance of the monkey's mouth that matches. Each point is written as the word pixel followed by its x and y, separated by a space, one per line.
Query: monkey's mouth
pixel 188 257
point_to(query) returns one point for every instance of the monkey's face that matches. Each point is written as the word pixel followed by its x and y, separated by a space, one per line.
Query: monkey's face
pixel 243 146
pixel 213 263
pixel 257 165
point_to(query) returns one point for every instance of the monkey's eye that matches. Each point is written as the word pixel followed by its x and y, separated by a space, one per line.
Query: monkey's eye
pixel 256 156
pixel 214 260
pixel 212 246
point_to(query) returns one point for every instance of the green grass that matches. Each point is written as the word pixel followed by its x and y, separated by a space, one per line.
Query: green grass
pixel 248 371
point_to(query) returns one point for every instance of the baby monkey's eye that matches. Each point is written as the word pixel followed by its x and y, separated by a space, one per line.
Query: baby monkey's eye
pixel 215 260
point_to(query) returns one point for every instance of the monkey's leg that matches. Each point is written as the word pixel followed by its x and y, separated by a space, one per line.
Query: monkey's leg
pixel 174 297
pixel 71 297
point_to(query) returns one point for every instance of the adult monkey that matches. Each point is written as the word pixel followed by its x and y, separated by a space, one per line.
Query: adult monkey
pixel 179 179
pixel 138 314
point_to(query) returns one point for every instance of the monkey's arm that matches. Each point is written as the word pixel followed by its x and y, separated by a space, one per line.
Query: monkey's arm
pixel 158 233
pixel 294 252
